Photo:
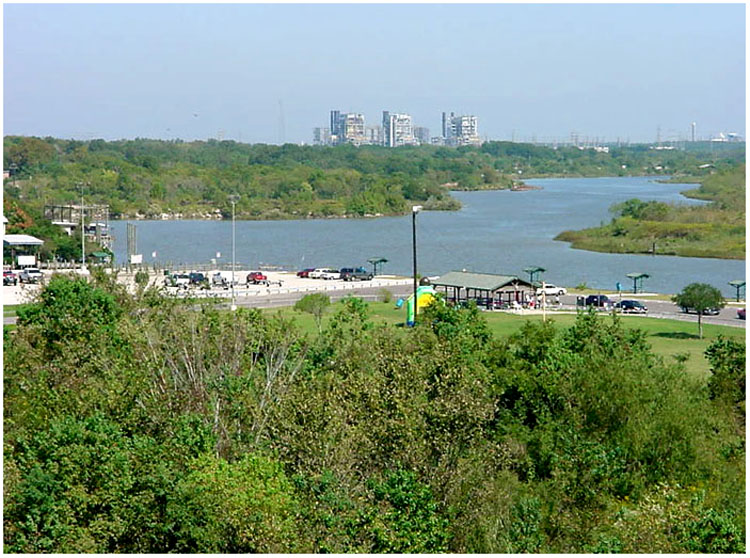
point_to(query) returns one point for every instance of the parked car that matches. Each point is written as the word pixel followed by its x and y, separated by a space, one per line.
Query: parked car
pixel 316 273
pixel 631 306
pixel 218 280
pixel 179 280
pixel 599 301
pixel 31 275
pixel 197 278
pixel 9 278
pixel 256 278
pixel 551 290
pixel 355 274
pixel 741 313
pixel 305 272
pixel 706 312
pixel 329 274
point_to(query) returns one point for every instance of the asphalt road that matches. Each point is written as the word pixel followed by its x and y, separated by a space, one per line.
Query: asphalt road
pixel 657 308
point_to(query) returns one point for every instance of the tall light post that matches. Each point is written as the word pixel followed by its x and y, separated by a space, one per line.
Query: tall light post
pixel 414 210
pixel 83 235
pixel 233 198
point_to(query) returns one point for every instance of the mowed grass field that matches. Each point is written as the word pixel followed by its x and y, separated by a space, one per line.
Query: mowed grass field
pixel 667 337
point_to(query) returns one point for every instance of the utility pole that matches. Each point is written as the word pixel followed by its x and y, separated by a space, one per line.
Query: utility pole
pixel 233 198
pixel 414 210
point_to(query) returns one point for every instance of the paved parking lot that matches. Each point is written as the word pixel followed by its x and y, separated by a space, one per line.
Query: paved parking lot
pixel 285 288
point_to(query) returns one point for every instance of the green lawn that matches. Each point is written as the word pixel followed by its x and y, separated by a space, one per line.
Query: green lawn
pixel 11 309
pixel 667 337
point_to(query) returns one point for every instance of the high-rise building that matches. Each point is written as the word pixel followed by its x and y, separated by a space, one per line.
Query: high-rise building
pixel 422 134
pixel 397 129
pixel 347 127
pixel 321 136
pixel 460 130
pixel 374 135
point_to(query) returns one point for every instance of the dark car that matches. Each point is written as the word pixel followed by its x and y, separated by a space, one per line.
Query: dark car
pixel 305 272
pixel 741 313
pixel 197 278
pixel 256 278
pixel 631 306
pixel 355 274
pixel 706 312
pixel 598 301
pixel 9 278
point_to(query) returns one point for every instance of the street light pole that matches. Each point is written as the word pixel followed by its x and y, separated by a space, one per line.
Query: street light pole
pixel 414 210
pixel 233 198
pixel 83 235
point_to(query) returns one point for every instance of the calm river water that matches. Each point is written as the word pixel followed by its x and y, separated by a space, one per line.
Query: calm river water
pixel 495 232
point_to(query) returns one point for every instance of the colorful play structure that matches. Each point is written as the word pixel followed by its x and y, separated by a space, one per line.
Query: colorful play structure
pixel 425 295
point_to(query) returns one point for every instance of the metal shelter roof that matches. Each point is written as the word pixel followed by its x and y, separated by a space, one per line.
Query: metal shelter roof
pixel 21 240
pixel 481 281
pixel 637 275
pixel 737 283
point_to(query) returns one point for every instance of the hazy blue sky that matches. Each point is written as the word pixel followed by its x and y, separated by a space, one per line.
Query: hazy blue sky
pixel 189 71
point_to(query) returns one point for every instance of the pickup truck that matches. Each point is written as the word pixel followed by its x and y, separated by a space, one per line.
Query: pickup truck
pixel 355 274
pixel 31 275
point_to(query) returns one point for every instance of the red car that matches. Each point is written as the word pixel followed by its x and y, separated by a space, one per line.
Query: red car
pixel 305 272
pixel 741 313
pixel 256 278
pixel 9 278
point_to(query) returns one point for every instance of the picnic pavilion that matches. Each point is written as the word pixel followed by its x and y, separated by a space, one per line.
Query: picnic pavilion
pixel 488 290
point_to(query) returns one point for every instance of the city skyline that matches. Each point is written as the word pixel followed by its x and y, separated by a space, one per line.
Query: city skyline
pixel 270 73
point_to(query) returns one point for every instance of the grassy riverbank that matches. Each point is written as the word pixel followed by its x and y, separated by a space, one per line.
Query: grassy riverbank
pixel 714 230
pixel 670 339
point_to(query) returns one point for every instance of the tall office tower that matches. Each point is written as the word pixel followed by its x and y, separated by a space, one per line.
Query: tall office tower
pixel 321 136
pixel 347 127
pixel 374 135
pixel 397 129
pixel 422 134
pixel 335 123
pixel 692 135
pixel 461 130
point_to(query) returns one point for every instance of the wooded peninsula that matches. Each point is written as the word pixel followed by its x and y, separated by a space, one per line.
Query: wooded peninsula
pixel 714 230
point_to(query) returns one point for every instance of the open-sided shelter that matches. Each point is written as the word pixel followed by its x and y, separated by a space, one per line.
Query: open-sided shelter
pixel 487 289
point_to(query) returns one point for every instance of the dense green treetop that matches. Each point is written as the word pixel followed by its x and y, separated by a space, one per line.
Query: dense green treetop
pixel 148 177
pixel 140 424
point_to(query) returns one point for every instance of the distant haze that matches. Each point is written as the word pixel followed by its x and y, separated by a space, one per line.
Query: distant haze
pixel 265 73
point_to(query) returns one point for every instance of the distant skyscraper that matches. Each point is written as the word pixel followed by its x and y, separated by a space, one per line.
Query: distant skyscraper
pixel 374 135
pixel 422 134
pixel 460 130
pixel 397 129
pixel 321 136
pixel 347 127
pixel 692 130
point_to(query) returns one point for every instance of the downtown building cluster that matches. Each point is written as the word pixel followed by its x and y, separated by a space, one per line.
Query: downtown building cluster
pixel 397 129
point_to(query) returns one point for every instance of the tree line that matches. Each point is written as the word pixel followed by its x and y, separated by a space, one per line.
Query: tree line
pixel 146 178
pixel 136 423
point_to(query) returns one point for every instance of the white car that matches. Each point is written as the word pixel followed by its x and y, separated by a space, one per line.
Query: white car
pixel 179 280
pixel 330 274
pixel 317 273
pixel 551 290
pixel 30 275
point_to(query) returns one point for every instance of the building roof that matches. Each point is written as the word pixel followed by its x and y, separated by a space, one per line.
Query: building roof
pixel 482 281
pixel 21 240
